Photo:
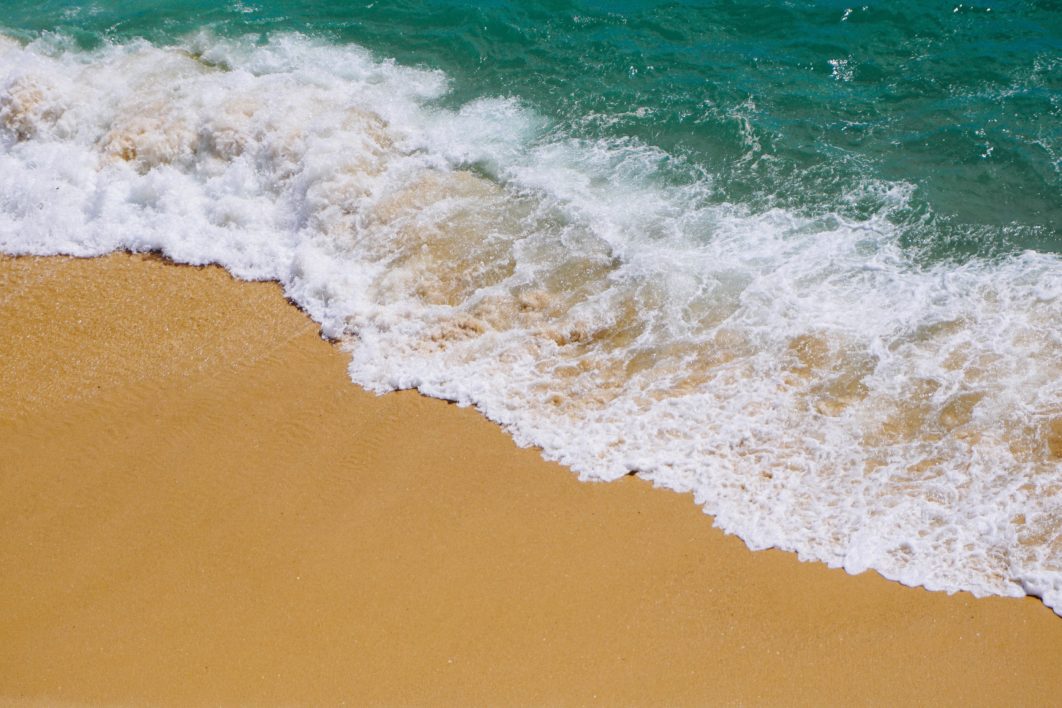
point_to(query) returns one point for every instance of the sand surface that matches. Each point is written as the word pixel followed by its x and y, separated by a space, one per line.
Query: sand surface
pixel 198 507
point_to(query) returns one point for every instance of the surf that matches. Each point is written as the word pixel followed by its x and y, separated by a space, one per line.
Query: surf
pixel 814 384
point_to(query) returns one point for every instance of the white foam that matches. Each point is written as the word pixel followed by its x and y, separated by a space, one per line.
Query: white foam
pixel 809 384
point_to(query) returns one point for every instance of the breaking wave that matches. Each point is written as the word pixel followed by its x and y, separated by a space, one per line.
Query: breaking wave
pixel 812 384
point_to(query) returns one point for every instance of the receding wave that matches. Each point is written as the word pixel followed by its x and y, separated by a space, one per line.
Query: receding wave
pixel 813 386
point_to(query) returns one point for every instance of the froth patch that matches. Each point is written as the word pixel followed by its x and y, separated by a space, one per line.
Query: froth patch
pixel 29 106
pixel 150 136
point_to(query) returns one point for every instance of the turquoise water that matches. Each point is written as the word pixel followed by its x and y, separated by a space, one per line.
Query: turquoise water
pixel 799 105
pixel 803 261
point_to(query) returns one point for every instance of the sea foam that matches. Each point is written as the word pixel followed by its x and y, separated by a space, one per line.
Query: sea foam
pixel 811 384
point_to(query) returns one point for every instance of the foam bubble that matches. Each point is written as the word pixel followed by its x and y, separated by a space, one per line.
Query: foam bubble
pixel 811 385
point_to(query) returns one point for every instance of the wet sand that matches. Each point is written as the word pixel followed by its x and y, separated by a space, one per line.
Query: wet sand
pixel 198 507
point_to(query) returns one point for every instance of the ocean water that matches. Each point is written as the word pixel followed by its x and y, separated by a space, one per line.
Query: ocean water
pixel 803 260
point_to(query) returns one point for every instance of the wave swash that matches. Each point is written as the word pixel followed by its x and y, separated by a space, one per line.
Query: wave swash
pixel 813 386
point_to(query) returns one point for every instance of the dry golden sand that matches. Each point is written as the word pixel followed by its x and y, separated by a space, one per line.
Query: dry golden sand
pixel 196 506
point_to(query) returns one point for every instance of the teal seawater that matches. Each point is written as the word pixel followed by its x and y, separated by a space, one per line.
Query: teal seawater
pixel 815 107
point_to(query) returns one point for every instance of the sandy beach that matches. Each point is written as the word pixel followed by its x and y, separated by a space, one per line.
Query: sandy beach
pixel 198 507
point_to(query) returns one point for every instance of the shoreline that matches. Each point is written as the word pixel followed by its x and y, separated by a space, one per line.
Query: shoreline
pixel 199 507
